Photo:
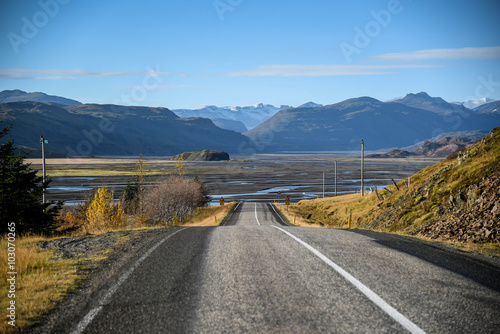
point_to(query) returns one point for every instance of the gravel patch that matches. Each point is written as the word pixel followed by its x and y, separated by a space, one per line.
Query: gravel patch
pixel 86 246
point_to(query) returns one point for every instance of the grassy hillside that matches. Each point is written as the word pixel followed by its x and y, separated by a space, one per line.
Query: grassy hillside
pixel 456 200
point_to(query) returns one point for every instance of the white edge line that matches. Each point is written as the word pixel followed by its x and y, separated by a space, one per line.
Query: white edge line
pixel 256 214
pixel 80 327
pixel 279 216
pixel 87 320
pixel 391 311
pixel 232 212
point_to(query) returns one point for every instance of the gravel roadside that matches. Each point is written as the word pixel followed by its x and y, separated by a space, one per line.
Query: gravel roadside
pixel 118 250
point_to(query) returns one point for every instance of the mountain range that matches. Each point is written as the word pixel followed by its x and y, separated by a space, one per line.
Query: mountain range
pixel 239 119
pixel 75 129
pixel 382 125
pixel 112 130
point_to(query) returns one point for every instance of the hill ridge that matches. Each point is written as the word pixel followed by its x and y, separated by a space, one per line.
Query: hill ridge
pixel 16 95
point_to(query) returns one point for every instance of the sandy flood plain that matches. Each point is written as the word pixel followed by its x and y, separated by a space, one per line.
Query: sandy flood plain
pixel 261 178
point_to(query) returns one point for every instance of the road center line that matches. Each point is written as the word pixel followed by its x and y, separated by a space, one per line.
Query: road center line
pixel 391 311
pixel 105 299
pixel 256 214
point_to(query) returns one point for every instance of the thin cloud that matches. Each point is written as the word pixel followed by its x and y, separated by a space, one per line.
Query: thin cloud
pixel 159 87
pixel 69 74
pixel 320 70
pixel 444 54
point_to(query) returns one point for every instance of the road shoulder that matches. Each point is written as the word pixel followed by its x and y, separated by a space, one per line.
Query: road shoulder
pixel 98 275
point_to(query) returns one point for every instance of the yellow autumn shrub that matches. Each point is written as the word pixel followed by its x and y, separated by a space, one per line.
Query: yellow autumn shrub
pixel 102 214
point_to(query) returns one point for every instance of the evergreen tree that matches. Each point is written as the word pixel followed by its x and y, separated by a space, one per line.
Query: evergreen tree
pixel 21 193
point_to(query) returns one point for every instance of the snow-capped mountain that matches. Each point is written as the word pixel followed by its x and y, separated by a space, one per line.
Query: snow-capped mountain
pixel 250 116
pixel 472 104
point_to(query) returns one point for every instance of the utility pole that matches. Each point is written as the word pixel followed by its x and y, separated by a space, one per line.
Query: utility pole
pixel 335 178
pixel 43 141
pixel 362 167
pixel 323 184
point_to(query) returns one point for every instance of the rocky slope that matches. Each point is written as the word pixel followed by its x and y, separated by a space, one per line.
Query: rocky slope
pixel 472 215
pixel 456 200
pixel 443 147
pixel 440 148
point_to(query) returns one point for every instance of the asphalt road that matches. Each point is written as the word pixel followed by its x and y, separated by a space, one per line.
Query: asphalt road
pixel 254 275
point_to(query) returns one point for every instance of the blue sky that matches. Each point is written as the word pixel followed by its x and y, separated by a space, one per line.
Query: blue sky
pixel 192 53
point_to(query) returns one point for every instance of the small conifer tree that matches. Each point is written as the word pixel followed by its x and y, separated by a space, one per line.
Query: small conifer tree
pixel 21 193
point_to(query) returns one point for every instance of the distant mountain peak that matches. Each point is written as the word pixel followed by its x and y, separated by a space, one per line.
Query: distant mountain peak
pixel 438 105
pixel 310 105
pixel 422 94
pixel 362 99
pixel 250 116
pixel 472 104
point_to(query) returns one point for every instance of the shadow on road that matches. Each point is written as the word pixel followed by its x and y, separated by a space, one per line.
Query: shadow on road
pixel 468 265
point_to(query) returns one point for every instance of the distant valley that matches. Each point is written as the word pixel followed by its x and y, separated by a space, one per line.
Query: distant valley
pixel 76 129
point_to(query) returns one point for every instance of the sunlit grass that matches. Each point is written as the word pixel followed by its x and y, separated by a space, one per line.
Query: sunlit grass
pixel 41 281
pixel 331 211
pixel 210 215
pixel 95 167
pixel 44 279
